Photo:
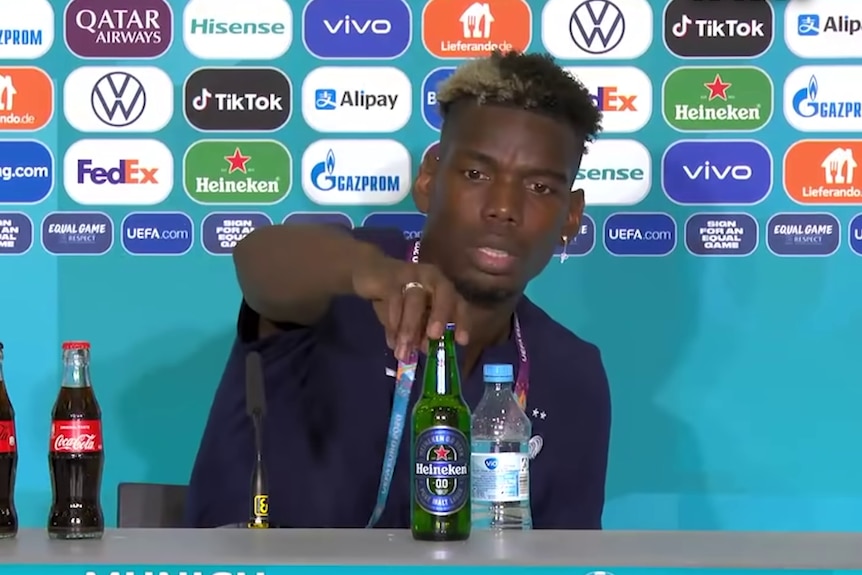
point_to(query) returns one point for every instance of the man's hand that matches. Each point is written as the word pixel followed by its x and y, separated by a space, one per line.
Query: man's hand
pixel 413 301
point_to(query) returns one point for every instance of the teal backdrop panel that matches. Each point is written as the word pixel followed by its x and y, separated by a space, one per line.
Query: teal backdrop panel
pixel 733 364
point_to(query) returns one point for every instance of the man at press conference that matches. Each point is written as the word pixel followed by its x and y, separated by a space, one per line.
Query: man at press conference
pixel 333 311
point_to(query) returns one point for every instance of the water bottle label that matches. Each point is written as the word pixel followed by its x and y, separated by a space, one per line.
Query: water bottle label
pixel 501 477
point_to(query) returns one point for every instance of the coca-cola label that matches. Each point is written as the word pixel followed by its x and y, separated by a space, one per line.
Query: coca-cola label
pixel 76 436
pixel 7 437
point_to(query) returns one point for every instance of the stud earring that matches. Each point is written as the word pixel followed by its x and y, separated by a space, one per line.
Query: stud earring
pixel 565 239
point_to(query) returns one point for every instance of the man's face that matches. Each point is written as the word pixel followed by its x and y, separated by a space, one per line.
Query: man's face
pixel 499 199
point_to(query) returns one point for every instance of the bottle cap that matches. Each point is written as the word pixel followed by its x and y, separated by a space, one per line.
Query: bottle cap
pixel 450 327
pixel 72 345
pixel 498 373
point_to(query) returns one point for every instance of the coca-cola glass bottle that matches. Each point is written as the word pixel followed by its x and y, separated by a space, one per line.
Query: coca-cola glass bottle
pixel 8 461
pixel 76 457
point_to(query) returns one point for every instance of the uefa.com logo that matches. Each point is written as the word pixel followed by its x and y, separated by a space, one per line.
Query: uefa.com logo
pixel 615 173
pixel 27 34
pixel 118 99
pixel 639 234
pixel 16 231
pixel 244 30
pixel 597 29
pixel 351 30
pixel 718 29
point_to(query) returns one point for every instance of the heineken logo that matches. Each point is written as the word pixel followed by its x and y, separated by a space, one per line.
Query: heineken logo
pixel 717 99
pixel 441 470
pixel 237 172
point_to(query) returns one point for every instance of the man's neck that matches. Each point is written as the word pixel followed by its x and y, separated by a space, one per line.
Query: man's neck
pixel 487 328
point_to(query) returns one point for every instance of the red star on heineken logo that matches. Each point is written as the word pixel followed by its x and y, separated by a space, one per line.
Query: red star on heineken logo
pixel 717 88
pixel 442 453
pixel 237 162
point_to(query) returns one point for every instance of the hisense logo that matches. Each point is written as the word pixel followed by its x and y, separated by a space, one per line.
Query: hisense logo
pixel 172 572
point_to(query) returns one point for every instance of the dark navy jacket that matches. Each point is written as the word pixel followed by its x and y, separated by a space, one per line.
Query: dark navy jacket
pixel 328 405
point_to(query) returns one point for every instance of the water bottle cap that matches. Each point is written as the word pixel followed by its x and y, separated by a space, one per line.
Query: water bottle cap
pixel 498 373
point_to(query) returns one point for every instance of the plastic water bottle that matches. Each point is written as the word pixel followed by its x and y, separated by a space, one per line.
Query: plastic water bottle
pixel 500 460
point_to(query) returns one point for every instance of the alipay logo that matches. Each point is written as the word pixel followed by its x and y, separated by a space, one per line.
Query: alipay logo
pixel 430 110
pixel 108 99
pixel 622 94
pixel 118 172
pixel 824 99
pixel 231 30
pixel 720 172
pixel 597 29
pixel 26 34
pixel 824 28
pixel 346 29
pixel 356 172
pixel 615 173
pixel 356 99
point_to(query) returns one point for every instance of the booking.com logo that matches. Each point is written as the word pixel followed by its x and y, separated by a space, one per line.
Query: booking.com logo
pixel 26 171
pixel 410 223
pixel 157 233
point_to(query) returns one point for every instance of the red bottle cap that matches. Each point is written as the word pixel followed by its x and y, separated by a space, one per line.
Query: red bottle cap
pixel 72 345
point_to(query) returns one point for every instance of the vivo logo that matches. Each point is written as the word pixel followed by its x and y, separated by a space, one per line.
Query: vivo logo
pixel 348 25
pixel 708 171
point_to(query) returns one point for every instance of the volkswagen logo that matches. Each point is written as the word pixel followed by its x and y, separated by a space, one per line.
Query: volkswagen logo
pixel 118 99
pixel 597 26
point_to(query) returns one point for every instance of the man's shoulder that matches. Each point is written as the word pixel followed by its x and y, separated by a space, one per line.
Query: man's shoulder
pixel 389 240
pixel 560 347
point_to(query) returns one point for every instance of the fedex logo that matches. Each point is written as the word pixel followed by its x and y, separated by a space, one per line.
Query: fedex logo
pixel 125 172
pixel 618 89
pixel 609 99
pixel 118 172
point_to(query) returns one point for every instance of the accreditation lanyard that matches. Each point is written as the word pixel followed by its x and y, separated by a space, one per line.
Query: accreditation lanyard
pixel 405 375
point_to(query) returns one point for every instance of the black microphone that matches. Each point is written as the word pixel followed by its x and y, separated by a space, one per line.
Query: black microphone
pixel 255 406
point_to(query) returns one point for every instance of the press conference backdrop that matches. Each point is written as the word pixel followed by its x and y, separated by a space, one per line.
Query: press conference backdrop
pixel 718 269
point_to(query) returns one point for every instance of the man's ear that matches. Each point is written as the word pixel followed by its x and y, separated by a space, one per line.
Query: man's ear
pixel 424 182
pixel 576 214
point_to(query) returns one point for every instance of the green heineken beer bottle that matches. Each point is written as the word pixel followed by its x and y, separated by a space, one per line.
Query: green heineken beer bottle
pixel 441 449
